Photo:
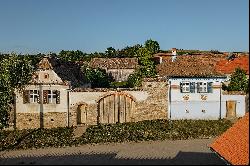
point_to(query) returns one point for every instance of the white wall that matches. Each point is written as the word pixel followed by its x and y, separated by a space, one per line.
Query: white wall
pixel 36 107
pixel 240 104
pixel 194 105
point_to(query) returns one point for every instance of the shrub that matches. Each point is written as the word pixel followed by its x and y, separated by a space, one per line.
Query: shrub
pixel 121 132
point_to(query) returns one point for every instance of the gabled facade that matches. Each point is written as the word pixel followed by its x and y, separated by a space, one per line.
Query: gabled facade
pixel 43 102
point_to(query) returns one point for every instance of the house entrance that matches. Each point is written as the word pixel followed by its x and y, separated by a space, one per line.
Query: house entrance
pixel 113 108
pixel 231 109
pixel 82 114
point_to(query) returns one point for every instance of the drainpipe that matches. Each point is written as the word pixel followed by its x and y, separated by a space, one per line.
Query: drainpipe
pixel 67 119
pixel 169 99
pixel 41 107
pixel 220 99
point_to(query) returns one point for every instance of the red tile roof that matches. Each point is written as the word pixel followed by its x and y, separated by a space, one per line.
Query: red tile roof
pixel 114 63
pixel 189 65
pixel 233 145
pixel 227 67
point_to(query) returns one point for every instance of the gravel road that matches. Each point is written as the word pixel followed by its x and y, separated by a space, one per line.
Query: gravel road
pixel 180 152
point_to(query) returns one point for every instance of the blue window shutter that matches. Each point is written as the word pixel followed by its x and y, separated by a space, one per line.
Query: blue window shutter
pixel 192 87
pixel 210 87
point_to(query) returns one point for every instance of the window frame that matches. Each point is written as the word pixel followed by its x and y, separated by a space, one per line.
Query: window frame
pixel 33 96
pixel 52 95
pixel 184 86
pixel 202 87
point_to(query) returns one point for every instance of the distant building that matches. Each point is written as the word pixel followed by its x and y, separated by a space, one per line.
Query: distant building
pixel 118 68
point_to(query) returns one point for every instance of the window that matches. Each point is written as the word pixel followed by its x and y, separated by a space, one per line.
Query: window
pixel 202 87
pixel 33 96
pixel 187 87
pixel 205 87
pixel 46 76
pixel 51 97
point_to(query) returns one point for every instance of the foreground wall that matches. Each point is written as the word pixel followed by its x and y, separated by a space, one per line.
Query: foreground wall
pixel 148 103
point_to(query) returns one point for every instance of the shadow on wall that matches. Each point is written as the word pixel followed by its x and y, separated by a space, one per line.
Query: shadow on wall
pixel 187 158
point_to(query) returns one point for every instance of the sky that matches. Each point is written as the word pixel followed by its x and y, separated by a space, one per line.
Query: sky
pixel 43 26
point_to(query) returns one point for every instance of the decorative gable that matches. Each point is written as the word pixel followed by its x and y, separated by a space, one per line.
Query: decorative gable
pixel 44 64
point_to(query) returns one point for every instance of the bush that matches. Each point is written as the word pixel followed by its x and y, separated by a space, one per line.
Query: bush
pixel 121 132
pixel 123 84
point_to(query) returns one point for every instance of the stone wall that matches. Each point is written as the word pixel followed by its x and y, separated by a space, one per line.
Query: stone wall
pixel 55 119
pixel 156 105
pixel 150 102
pixel 27 120
pixel 34 120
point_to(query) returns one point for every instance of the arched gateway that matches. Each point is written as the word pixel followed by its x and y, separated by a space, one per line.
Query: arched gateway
pixel 115 107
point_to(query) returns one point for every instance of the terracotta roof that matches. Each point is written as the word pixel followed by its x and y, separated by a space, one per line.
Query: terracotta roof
pixel 233 145
pixel 189 65
pixel 114 63
pixel 228 66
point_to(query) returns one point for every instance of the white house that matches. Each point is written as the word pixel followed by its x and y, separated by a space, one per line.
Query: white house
pixel 195 98
pixel 195 90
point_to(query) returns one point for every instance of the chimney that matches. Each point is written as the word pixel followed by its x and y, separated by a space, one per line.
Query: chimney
pixel 174 51
pixel 174 54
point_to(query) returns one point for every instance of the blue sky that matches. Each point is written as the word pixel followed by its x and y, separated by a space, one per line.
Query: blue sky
pixel 33 26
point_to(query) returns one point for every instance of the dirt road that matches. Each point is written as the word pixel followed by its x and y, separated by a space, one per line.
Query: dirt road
pixel 192 152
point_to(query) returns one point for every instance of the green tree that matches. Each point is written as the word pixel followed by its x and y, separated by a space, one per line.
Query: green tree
pixel 72 55
pixel 97 77
pixel 16 71
pixel 111 52
pixel 147 65
pixel 152 46
pixel 134 80
pixel 129 51
pixel 238 81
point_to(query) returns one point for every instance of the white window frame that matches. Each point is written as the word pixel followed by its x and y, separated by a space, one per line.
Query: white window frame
pixel 202 87
pixel 52 96
pixel 185 87
pixel 33 96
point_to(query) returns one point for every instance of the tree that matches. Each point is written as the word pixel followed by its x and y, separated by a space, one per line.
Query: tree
pixel 110 52
pixel 135 79
pixel 16 71
pixel 97 77
pixel 129 51
pixel 152 46
pixel 147 65
pixel 238 81
pixel 72 55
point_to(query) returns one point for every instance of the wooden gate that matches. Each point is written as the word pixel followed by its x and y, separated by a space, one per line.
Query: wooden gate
pixel 82 114
pixel 115 108
pixel 231 109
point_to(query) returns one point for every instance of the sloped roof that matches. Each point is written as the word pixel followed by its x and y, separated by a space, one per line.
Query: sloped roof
pixel 114 63
pixel 233 145
pixel 44 64
pixel 228 66
pixel 189 65
pixel 67 71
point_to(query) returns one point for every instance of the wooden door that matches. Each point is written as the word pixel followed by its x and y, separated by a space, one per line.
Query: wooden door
pixel 115 108
pixel 231 109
